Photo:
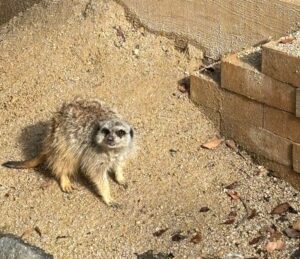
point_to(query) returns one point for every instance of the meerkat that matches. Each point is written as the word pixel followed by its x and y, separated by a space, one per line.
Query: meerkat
pixel 87 136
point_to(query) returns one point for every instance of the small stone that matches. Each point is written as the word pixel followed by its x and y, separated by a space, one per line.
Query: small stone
pixel 136 52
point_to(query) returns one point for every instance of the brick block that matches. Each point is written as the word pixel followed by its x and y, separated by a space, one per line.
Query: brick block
pixel 241 109
pixel 296 157
pixel 282 123
pixel 284 172
pixel 258 141
pixel 298 103
pixel 280 63
pixel 205 91
pixel 241 75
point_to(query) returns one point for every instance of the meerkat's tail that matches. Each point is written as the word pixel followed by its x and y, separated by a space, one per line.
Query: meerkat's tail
pixel 31 163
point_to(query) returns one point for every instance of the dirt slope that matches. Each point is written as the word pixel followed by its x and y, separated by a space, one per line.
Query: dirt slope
pixel 61 49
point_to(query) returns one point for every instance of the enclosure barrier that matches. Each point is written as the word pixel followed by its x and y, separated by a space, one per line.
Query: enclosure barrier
pixel 255 99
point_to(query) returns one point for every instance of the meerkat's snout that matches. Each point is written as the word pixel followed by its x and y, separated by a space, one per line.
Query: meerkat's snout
pixel 110 139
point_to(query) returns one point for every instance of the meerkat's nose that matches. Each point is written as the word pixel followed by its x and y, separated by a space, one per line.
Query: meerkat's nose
pixel 110 138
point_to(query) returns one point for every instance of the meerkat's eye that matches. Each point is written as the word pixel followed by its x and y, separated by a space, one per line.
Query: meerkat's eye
pixel 105 131
pixel 121 133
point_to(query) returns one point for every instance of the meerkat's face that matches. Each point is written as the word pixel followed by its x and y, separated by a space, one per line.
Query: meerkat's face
pixel 113 134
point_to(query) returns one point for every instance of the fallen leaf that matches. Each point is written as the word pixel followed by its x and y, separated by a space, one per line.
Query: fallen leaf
pixel 255 240
pixel 252 214
pixel 213 143
pixel 120 33
pixel 287 39
pixel 61 237
pixel 231 144
pixel 152 254
pixel 38 230
pixel 232 185
pixel 281 208
pixel 277 245
pixel 233 194
pixel 296 225
pixel 229 221
pixel 292 233
pixel 172 152
pixel 160 232
pixel 58 238
pixel 204 209
pixel 197 238
pixel 27 232
pixel 178 237
pixel 230 218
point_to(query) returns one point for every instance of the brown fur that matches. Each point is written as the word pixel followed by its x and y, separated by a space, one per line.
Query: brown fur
pixel 77 140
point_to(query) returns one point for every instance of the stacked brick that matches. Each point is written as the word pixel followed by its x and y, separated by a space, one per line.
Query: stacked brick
pixel 255 103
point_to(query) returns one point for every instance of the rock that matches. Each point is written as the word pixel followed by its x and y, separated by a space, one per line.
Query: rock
pixel 151 255
pixel 14 247
pixel 136 52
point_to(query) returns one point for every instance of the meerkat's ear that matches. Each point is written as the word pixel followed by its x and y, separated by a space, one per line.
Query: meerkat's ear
pixel 99 125
pixel 131 132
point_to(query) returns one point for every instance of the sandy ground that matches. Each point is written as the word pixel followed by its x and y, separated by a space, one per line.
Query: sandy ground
pixel 61 49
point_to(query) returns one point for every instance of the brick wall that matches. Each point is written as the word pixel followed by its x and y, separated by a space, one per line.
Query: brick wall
pixel 256 100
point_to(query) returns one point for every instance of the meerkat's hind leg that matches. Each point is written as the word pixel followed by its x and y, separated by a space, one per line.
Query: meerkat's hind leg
pixel 63 170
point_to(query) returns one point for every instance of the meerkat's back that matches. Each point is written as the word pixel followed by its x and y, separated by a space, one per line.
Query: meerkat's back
pixel 79 118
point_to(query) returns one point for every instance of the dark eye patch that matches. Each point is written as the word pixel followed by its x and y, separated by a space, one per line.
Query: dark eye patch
pixel 121 133
pixel 105 131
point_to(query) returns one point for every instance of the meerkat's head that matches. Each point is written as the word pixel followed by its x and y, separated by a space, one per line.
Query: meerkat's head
pixel 114 134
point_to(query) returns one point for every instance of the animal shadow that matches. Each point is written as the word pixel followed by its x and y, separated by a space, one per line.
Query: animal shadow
pixel 31 141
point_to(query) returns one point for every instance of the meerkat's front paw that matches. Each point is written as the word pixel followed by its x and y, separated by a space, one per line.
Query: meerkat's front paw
pixel 66 185
pixel 67 188
pixel 120 179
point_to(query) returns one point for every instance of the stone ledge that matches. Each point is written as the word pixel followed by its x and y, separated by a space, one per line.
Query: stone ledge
pixel 242 76
pixel 280 63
